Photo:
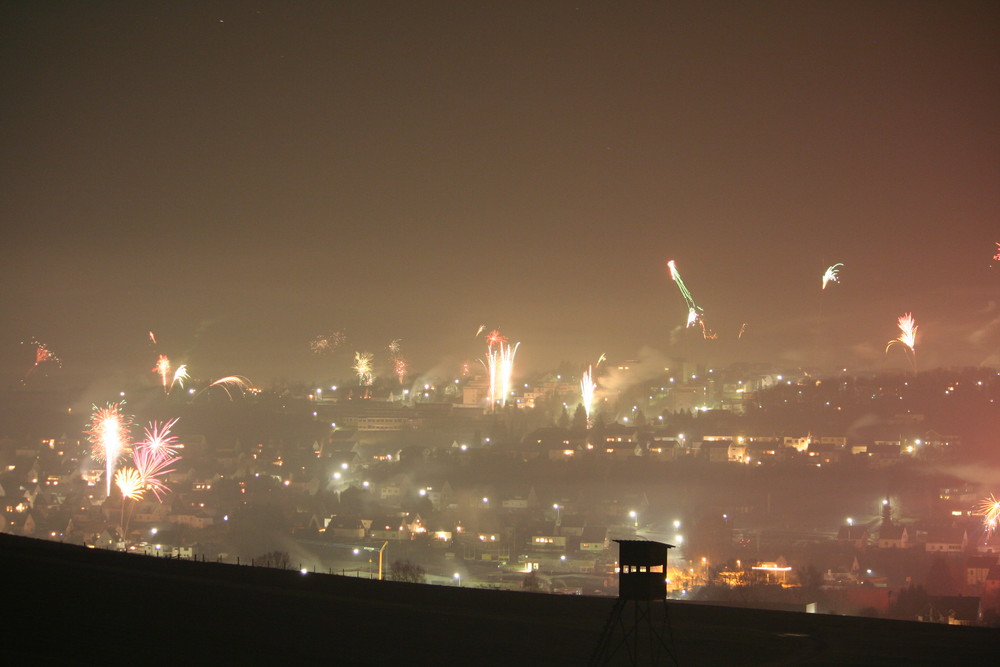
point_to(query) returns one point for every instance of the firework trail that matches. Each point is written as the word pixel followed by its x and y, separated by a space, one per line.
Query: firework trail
pixel 907 337
pixel 743 330
pixel 152 337
pixel 830 276
pixel 327 342
pixel 42 355
pixel 234 381
pixel 694 312
pixel 483 326
pixel 162 368
pixel 989 509
pixel 707 333
pixel 109 436
pixel 363 368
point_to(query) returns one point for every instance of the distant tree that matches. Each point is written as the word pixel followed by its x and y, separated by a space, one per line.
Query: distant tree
pixel 639 419
pixel 939 580
pixel 563 418
pixel 579 424
pixel 531 582
pixel 404 570
pixel 910 602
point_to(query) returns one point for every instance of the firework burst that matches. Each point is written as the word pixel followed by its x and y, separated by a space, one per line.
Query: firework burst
pixel 159 441
pixel 109 434
pixel 129 482
pixel 907 337
pixel 997 256
pixel 831 275
pixel 43 355
pixel 327 342
pixel 363 368
pixel 989 509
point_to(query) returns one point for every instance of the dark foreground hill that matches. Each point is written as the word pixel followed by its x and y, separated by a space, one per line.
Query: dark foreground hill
pixel 66 604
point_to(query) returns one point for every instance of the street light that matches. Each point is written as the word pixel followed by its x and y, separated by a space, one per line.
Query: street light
pixel 557 508
pixel 635 518
pixel 458 578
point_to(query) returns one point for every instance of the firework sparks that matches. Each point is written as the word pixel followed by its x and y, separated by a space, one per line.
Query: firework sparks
pixel 482 327
pixel 830 276
pixel 588 389
pixel 109 436
pixel 694 312
pixel 989 509
pixel 180 376
pixel 327 342
pixel 495 338
pixel 997 256
pixel 162 368
pixel 907 337
pixel 500 366
pixel 363 368
pixel 399 366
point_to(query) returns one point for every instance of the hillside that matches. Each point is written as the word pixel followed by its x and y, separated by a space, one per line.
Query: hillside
pixel 71 604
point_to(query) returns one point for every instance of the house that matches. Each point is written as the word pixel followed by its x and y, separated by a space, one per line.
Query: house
pixel 894 537
pixel 389 528
pixel 594 539
pixel 716 451
pixel 825 452
pixel 571 525
pixel 520 499
pixel 952 609
pixel 547 539
pixel 977 568
pixel 949 540
pixel 352 528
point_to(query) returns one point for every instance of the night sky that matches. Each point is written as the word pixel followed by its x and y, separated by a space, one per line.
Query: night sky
pixel 241 177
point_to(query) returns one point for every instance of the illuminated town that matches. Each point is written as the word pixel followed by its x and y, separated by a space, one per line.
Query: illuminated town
pixel 878 513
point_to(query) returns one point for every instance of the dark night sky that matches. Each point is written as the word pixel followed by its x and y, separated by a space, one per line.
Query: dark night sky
pixel 239 177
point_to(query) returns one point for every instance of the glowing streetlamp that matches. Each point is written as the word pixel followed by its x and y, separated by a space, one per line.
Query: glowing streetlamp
pixel 635 518
pixel 457 577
